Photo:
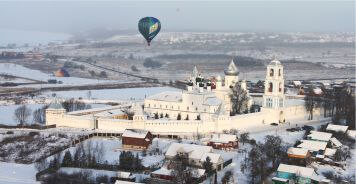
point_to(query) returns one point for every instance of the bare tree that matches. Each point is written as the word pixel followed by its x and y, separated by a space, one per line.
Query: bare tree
pixel 41 165
pixel 39 115
pixel 239 100
pixel 22 114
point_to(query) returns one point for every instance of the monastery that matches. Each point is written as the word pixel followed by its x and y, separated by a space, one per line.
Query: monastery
pixel 206 106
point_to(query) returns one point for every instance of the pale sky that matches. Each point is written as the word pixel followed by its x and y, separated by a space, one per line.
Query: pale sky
pixel 278 16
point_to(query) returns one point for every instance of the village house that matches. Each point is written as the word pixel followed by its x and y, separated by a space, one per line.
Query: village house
pixel 124 176
pixel 315 147
pixel 164 173
pixel 223 141
pixel 337 128
pixel 136 139
pixel 196 154
pixel 319 136
pixel 296 174
pixel 300 153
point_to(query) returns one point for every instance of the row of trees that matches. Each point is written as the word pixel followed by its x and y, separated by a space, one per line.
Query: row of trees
pixel 129 162
pixel 23 113
pixel 338 103
pixel 264 158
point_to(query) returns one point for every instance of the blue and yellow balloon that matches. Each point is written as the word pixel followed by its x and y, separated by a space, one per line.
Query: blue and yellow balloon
pixel 149 28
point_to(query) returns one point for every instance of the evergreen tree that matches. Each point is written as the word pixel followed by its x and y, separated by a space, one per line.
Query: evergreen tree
pixel 67 159
pixel 208 166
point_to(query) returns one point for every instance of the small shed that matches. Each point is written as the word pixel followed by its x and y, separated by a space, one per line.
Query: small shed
pixel 136 139
pixel 223 141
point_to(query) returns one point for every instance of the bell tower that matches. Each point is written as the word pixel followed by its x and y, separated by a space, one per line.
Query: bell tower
pixel 274 86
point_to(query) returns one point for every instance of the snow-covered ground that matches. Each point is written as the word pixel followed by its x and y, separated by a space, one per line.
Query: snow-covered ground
pixel 7 113
pixel 20 71
pixel 11 173
pixel 112 94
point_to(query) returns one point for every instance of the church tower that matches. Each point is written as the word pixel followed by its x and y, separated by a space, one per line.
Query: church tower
pixel 231 75
pixel 274 86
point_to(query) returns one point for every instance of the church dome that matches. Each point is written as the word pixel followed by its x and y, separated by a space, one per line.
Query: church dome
pixel 275 62
pixel 231 69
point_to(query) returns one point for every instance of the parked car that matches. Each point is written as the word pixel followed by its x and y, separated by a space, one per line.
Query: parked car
pixel 307 127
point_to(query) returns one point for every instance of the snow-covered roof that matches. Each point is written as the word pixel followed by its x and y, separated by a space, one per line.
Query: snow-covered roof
pixel 317 91
pixel 212 101
pixel 297 83
pixel 95 110
pixel 214 157
pixel 321 136
pixel 223 138
pixel 313 145
pixel 337 128
pixel 125 182
pixel 352 133
pixel 136 133
pixel 297 151
pixel 329 152
pixel 300 171
pixel 280 179
pixel 336 142
pixel 163 171
pixel 275 62
pixel 55 105
pixel 114 112
pixel 124 175
pixel 194 151
pixel 169 96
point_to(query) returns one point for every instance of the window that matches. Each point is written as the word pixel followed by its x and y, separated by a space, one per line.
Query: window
pixel 281 102
pixel 196 108
pixel 149 105
pixel 270 87
pixel 154 105
pixel 280 87
pixel 166 106
pixel 269 102
pixel 187 108
pixel 279 72
pixel 271 72
pixel 192 103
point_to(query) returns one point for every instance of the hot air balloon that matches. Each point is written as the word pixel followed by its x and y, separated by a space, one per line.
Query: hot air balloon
pixel 149 28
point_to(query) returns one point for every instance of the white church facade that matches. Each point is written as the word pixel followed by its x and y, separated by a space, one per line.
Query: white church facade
pixel 203 107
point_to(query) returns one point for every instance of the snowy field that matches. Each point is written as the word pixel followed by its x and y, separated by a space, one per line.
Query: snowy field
pixel 20 71
pixel 11 173
pixel 112 94
pixel 7 113
pixel 113 149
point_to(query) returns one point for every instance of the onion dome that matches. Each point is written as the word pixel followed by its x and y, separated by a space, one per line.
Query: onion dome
pixel 232 69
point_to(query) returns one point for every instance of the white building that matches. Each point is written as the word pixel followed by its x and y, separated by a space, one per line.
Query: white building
pixel 203 108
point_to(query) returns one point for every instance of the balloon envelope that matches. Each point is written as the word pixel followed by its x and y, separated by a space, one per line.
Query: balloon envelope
pixel 149 28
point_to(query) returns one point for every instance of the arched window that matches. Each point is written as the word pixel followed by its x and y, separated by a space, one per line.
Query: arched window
pixel 271 72
pixel 187 108
pixel 270 87
pixel 280 87
pixel 279 72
